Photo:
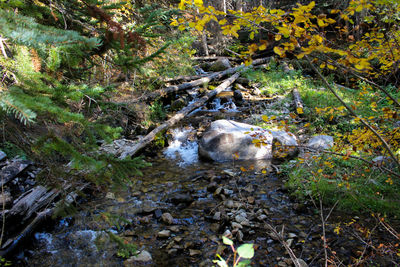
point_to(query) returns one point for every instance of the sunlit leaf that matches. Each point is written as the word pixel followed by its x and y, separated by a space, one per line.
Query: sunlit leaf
pixel 246 251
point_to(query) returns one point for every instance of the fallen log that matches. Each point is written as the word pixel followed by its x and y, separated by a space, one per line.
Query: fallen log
pixel 185 78
pixel 212 58
pixel 298 103
pixel 198 82
pixel 179 116
pixel 12 170
pixel 13 242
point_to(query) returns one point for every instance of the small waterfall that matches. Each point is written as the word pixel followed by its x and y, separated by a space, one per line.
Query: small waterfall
pixel 182 148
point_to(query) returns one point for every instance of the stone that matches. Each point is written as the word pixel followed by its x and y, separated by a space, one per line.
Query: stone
pixel 236 225
pixel 301 263
pixel 181 198
pixel 167 218
pixel 194 252
pixel 240 218
pixel 239 236
pixel 164 234
pixel 262 217
pixel 321 142
pixel 217 216
pixel 237 95
pixel 220 65
pixel 149 206
pixel 178 104
pixel 226 139
pixel 143 256
pixel 227 233
pixel 287 144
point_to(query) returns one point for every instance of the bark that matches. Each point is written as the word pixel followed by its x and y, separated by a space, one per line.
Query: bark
pixel 298 103
pixel 11 171
pixel 179 116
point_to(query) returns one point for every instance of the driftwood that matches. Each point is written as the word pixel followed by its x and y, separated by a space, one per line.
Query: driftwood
pixel 12 170
pixel 298 103
pixel 179 116
pixel 198 82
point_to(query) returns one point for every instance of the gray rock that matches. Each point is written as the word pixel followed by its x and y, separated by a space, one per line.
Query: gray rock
pixel 143 256
pixel 301 263
pixel 164 233
pixel 220 65
pixel 217 216
pixel 181 198
pixel 194 252
pixel 149 206
pixel 240 218
pixel 321 142
pixel 178 104
pixel 2 155
pixel 287 144
pixel 236 225
pixel 225 138
pixel 167 218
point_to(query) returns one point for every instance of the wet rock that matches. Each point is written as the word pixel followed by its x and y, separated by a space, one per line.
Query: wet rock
pixel 321 142
pixel 173 252
pixel 239 236
pixel 143 256
pixel 212 187
pixel 164 234
pixel 220 65
pixel 229 204
pixel 236 225
pixel 178 239
pixel 250 200
pixel 181 198
pixel 194 252
pixel 284 144
pixel 225 138
pixel 175 228
pixel 237 95
pixel 149 206
pixel 158 213
pixel 228 192
pixel 167 218
pixel 230 173
pixel 240 218
pixel 227 233
pixel 262 217
pixel 217 216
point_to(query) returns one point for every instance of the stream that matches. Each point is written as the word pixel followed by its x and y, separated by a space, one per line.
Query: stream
pixel 179 209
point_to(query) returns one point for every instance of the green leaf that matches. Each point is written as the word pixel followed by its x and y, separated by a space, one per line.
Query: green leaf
pixel 227 241
pixel 246 251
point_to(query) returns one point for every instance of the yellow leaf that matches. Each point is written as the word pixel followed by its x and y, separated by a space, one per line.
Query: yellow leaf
pixel 299 110
pixel 262 47
pixel 243 169
pixel 264 171
pixel 320 170
pixel 322 65
pixel 321 23
pixel 265 118
pixel 251 36
pixel 181 27
pixel 307 124
pixel 284 31
pixel 174 22
pixel 278 37
pixel 279 51
pixel 222 22
pixel 331 67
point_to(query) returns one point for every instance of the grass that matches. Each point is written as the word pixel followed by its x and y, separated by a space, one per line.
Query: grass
pixel 359 188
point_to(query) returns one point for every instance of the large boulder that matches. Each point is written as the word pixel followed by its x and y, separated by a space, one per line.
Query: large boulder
pixel 226 140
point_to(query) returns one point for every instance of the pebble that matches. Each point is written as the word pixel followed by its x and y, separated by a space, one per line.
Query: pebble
pixel 167 218
pixel 262 217
pixel 227 233
pixel 194 252
pixel 164 233
pixel 143 256
pixel 236 225
pixel 217 216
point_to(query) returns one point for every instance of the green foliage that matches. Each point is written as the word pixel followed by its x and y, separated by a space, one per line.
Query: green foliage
pixel 125 249
pixel 245 251
pixel 12 150
pixel 357 187
pixel 157 112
